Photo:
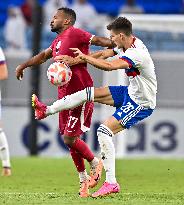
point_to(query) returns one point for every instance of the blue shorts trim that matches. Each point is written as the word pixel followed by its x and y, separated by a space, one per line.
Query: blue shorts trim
pixel 127 111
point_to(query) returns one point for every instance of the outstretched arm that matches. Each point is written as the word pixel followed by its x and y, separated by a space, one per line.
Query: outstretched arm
pixel 102 54
pixel 102 41
pixel 101 63
pixel 35 60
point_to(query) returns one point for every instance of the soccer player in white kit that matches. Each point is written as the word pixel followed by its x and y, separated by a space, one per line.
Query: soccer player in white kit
pixel 4 149
pixel 133 103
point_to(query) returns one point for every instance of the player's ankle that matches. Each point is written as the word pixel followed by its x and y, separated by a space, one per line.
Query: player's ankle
pixel 83 176
pixel 94 162
pixel 49 111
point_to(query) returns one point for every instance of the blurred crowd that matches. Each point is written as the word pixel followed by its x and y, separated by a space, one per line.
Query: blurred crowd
pixel 19 21
pixel 16 33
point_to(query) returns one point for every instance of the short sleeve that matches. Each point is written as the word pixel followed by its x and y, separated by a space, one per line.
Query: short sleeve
pixel 133 57
pixel 52 45
pixel 2 56
pixel 85 37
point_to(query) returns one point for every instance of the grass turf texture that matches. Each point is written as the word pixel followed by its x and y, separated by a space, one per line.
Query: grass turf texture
pixel 55 181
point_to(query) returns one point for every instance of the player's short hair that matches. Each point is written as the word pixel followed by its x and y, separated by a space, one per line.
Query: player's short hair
pixel 121 24
pixel 70 13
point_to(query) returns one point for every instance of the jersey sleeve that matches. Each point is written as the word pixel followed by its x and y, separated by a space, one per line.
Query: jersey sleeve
pixel 52 45
pixel 132 57
pixel 2 57
pixel 85 37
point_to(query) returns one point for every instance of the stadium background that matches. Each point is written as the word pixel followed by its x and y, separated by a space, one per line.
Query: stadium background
pixel 159 136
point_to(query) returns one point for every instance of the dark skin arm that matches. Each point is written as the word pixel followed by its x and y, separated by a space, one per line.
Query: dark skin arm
pixel 35 60
pixel 102 41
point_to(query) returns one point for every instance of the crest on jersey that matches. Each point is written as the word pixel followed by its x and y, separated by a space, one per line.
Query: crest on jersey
pixel 58 46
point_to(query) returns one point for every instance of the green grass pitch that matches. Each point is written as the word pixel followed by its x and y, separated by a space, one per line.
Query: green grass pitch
pixel 55 181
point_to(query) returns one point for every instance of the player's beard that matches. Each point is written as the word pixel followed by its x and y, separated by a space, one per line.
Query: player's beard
pixel 55 30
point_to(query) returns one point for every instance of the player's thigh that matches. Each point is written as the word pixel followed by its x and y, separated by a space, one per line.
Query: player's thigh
pixel 113 124
pixel 63 119
pixel 70 140
pixel 130 113
pixel 79 120
pixel 103 95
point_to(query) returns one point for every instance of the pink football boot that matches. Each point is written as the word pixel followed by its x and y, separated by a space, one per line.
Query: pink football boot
pixel 107 189
pixel 39 107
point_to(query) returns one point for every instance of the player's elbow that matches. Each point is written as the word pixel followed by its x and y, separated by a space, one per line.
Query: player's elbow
pixel 109 67
pixel 112 66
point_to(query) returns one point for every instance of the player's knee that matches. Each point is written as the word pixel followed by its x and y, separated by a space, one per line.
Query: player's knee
pixel 69 140
pixel 99 132
pixel 103 131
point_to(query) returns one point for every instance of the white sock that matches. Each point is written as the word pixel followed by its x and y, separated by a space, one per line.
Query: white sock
pixel 107 152
pixel 4 150
pixel 83 176
pixel 71 101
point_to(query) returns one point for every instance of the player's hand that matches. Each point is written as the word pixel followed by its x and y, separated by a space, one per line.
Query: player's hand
pixel 78 53
pixel 65 59
pixel 19 72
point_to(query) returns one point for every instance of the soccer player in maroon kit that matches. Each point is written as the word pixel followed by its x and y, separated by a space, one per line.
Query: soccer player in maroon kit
pixel 75 122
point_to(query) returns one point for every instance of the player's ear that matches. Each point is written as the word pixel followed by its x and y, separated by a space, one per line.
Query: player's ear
pixel 67 21
pixel 122 35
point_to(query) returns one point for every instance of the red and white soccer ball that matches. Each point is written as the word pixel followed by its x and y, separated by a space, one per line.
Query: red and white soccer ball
pixel 59 73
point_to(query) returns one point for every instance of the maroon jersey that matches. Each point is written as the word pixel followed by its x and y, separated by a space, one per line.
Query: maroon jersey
pixel 73 38
pixel 76 121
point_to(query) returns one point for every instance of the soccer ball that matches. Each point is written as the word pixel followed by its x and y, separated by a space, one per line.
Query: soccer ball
pixel 59 73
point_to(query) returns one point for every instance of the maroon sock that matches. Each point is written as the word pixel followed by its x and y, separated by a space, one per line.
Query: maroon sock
pixel 77 159
pixel 82 148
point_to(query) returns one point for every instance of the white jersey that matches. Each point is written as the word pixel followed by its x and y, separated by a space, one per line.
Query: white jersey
pixel 141 73
pixel 2 61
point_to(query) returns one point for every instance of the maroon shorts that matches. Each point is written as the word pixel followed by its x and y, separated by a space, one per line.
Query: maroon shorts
pixel 77 121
